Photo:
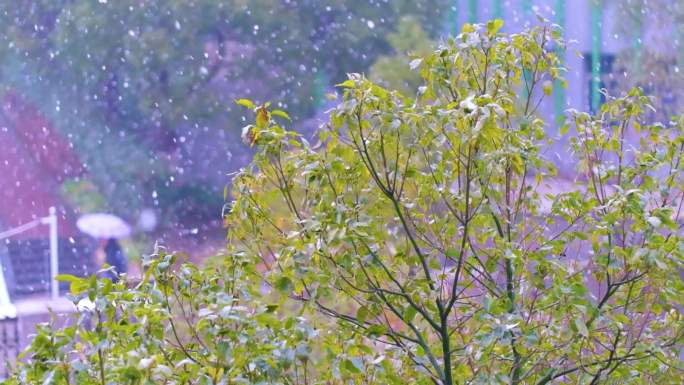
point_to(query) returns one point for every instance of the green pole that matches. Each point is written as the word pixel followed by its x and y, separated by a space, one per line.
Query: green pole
pixel 320 85
pixel 678 36
pixel 472 11
pixel 558 90
pixel 452 20
pixel 595 54
pixel 527 7
pixel 498 9
pixel 636 44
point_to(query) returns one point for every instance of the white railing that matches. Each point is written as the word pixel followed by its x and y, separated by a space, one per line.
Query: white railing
pixel 51 221
pixel 7 310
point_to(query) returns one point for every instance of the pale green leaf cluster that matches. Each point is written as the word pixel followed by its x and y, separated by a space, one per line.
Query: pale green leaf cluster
pixel 180 325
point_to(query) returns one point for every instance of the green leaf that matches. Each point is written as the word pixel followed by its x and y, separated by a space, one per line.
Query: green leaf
pixel 245 103
pixel 467 28
pixel 409 313
pixel 68 278
pixel 362 314
pixel 349 83
pixel 350 366
pixel 493 26
pixel 284 285
pixel 262 117
pixel 376 330
pixel 281 114
pixel 581 327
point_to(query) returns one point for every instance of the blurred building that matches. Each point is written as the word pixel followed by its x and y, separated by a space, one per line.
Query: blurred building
pixel 597 33
pixel 34 162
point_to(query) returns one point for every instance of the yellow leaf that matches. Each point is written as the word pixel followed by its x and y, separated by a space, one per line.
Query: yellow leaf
pixel 245 103
pixel 262 117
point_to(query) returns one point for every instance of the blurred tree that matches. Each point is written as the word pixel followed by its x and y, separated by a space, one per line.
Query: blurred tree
pixel 83 195
pixel 393 70
pixel 143 88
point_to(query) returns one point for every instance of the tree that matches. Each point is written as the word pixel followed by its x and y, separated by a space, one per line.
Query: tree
pixel 393 71
pixel 426 228
pixel 426 223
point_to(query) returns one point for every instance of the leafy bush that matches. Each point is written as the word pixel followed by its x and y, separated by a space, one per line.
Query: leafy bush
pixel 178 325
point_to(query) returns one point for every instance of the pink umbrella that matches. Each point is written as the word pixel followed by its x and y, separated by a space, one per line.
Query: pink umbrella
pixel 101 225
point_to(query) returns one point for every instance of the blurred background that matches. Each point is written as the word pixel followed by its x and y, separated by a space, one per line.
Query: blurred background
pixel 127 106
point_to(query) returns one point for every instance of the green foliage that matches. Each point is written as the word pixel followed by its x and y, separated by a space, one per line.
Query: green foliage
pixel 410 42
pixel 180 325
pixel 429 231
pixel 83 194
pixel 432 225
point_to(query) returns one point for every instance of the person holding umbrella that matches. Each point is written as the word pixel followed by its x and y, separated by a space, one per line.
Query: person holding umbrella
pixel 115 257
pixel 108 228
